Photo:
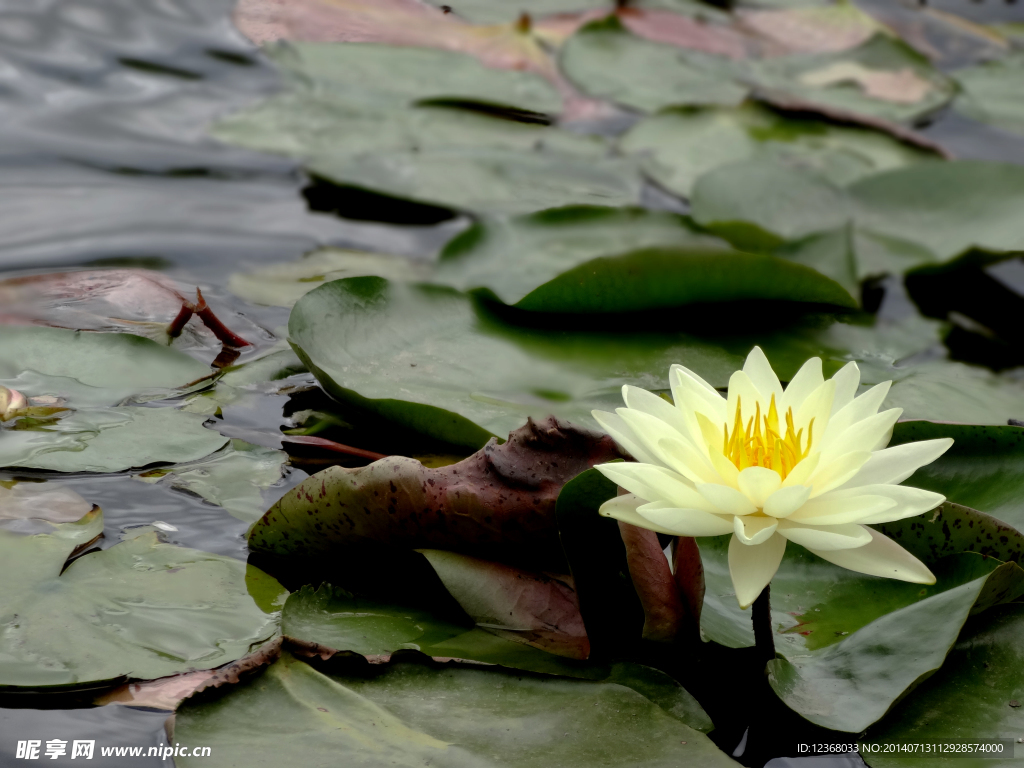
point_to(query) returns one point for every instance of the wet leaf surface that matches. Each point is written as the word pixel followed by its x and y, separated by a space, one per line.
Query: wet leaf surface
pixel 411 713
pixel 111 614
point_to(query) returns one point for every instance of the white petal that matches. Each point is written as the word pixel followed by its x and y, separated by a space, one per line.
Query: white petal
pixel 754 529
pixel 726 499
pixel 624 508
pixel 688 461
pixel 763 377
pixel 743 392
pixel 751 568
pixel 802 472
pixel 641 400
pixel 649 430
pixel 785 501
pixel 882 557
pixel 758 483
pixel 654 483
pixel 869 434
pixel 896 464
pixel 840 510
pixel 685 522
pixel 623 435
pixel 833 473
pixel 692 394
pixel 814 414
pixel 828 538
pixel 682 370
pixel 847 380
pixel 909 502
pixel 864 407
pixel 807 379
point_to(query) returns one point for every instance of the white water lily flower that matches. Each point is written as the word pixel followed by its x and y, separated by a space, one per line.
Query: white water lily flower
pixel 807 464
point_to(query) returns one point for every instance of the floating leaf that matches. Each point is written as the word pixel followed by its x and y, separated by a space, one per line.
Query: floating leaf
pixel 982 470
pixel 140 609
pixel 113 440
pixel 815 29
pixel 526 607
pixel 595 260
pixel 38 502
pixel 410 714
pixel 991 92
pixel 92 368
pixel 281 285
pixel 498 503
pixel 974 696
pixel 679 145
pixel 232 478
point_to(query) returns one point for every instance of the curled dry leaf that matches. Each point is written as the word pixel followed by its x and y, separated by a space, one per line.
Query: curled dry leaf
pixel 527 607
pixel 168 692
pixel 664 613
pixel 498 504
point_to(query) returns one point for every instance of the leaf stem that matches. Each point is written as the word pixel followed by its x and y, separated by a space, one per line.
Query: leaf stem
pixel 761 615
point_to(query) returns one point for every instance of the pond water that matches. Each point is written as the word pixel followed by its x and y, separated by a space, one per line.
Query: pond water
pixel 105 160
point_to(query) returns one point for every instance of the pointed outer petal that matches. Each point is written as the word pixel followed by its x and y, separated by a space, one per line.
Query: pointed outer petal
pixel 807 379
pixel 751 568
pixel 827 538
pixel 865 435
pixel 909 502
pixel 743 391
pixel 726 499
pixel 624 508
pixel 827 510
pixel 896 464
pixel 681 370
pixel 785 501
pixel 832 474
pixel 754 529
pixel 685 522
pixel 654 483
pixel 863 407
pixel 758 483
pixel 711 433
pixel 641 400
pixel 650 431
pixel 802 471
pixel 762 375
pixel 688 461
pixel 817 406
pixel 882 557
pixel 847 380
pixel 623 435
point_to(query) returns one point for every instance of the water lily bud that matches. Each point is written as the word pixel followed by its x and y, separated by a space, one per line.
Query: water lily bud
pixel 11 403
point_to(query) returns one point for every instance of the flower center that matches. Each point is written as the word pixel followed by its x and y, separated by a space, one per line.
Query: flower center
pixel 762 444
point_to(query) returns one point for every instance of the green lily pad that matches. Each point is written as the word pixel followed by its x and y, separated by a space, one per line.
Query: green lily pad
pixel 882 79
pixel 370 75
pixel 91 368
pixel 232 478
pixel 608 62
pixel 984 469
pixel 112 440
pixel 141 609
pixel 991 92
pixel 593 260
pixel 680 145
pixel 946 390
pixel 928 213
pixel 412 714
pixel 281 285
pixel 974 696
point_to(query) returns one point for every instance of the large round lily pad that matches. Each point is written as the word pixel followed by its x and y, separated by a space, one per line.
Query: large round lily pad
pixel 412 714
pixel 140 609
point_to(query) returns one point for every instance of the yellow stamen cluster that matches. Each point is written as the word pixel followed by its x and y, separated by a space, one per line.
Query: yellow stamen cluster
pixel 754 446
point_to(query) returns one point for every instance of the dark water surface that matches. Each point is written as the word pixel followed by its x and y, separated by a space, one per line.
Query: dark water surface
pixel 104 160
